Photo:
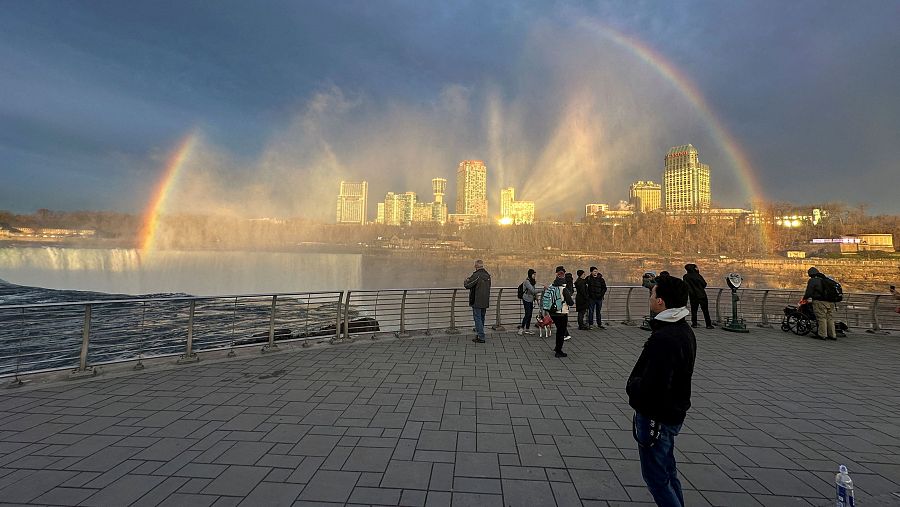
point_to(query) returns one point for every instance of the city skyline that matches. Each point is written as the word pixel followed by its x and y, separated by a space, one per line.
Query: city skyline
pixel 97 106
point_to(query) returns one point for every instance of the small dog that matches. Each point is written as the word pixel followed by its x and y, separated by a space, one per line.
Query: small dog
pixel 544 324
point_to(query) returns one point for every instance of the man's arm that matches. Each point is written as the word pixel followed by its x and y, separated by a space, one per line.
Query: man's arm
pixel 810 286
pixel 470 282
pixel 655 381
pixel 567 296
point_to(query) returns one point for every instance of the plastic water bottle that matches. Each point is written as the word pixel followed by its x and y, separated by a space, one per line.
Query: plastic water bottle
pixel 844 488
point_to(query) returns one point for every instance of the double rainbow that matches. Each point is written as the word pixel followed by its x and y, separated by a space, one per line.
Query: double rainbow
pixel 150 222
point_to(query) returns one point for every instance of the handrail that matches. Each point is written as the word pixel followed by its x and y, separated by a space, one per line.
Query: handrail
pixel 79 335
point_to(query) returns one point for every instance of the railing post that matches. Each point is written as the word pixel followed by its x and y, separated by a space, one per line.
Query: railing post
pixel 189 355
pixel 718 306
pixel 337 317
pixel 765 316
pixel 452 329
pixel 876 326
pixel 628 321
pixel 83 369
pixel 271 347
pixel 497 325
pixel 428 315
pixel 402 333
pixel 347 316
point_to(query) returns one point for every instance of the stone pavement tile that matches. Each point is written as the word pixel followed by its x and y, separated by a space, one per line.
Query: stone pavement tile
pixel 368 459
pixel 124 491
pixel 388 420
pixel 244 453
pixel 203 470
pixel 188 500
pixel 194 485
pixel 407 475
pixel 272 494
pixel 708 478
pixel 438 499
pixel 156 495
pixel 38 433
pixel 523 473
pixel 779 482
pixel 494 442
pixel 427 414
pixel 441 477
pixel 540 456
pixel 164 449
pixel 316 445
pixel 465 442
pixel 105 459
pixel 565 493
pixel 237 480
pixel 27 486
pixel 576 446
pixel 725 499
pixel 599 485
pixel 766 457
pixel 437 440
pixel 477 464
pixel 337 458
pixel 306 470
pixel 286 433
pixel 64 496
pixel 519 493
pixel 476 500
pixel 413 498
pixel 380 496
pixel 548 427
pixel 628 472
pixel 330 486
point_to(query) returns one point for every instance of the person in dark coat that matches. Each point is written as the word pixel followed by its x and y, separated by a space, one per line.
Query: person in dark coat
pixel 822 308
pixel 659 389
pixel 582 293
pixel 479 285
pixel 697 291
pixel 597 290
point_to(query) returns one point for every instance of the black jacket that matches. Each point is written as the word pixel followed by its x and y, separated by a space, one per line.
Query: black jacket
pixel 581 293
pixel 596 286
pixel 696 284
pixel 815 290
pixel 479 285
pixel 660 383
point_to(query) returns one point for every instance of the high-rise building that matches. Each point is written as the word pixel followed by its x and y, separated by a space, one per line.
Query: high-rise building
pixel 407 203
pixel 513 211
pixel 645 196
pixel 471 189
pixel 686 180
pixel 439 208
pixel 353 202
pixel 379 216
pixel 392 209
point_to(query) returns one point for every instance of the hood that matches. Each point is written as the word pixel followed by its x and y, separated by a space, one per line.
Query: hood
pixel 812 272
pixel 673 314
pixel 691 268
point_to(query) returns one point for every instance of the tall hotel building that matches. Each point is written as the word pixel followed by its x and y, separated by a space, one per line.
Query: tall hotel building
pixel 645 196
pixel 686 180
pixel 471 189
pixel 353 202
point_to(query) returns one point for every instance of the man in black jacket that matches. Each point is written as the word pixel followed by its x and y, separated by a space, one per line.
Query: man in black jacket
pixel 659 389
pixel 581 299
pixel 824 309
pixel 697 292
pixel 597 290
pixel 479 285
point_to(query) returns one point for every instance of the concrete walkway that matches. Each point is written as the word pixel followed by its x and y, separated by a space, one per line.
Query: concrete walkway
pixel 441 420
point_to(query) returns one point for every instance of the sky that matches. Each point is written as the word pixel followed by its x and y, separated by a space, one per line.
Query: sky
pixel 286 98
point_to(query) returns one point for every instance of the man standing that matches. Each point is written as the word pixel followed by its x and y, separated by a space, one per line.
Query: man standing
pixel 823 307
pixel 561 299
pixel 697 291
pixel 581 299
pixel 479 285
pixel 659 389
pixel 597 291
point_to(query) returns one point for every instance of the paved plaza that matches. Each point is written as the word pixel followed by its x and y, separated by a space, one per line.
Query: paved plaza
pixel 439 420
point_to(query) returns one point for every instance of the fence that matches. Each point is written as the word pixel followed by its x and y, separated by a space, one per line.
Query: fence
pixel 81 335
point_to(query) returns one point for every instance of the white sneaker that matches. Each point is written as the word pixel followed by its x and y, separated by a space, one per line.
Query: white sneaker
pixel 520 332
pixel 529 332
pixel 567 338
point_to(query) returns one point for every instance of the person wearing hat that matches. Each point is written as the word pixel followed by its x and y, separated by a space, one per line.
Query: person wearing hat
pixel 561 315
pixel 824 309
pixel 581 299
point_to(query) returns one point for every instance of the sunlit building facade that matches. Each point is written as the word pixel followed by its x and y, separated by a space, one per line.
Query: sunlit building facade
pixel 595 209
pixel 645 196
pixel 513 211
pixel 439 207
pixel 686 180
pixel 353 202
pixel 471 189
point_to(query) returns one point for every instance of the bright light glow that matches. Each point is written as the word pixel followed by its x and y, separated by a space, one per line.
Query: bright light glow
pixel 505 221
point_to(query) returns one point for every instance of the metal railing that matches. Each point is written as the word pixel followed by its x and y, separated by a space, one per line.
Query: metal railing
pixel 85 334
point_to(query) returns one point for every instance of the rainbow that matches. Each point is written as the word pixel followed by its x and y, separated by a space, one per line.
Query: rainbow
pixel 682 83
pixel 150 222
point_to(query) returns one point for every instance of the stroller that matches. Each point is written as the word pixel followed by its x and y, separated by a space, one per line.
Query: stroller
pixel 800 319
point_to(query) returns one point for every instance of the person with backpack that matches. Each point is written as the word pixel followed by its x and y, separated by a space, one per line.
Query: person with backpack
pixel 527 292
pixel 596 293
pixel 824 293
pixel 479 285
pixel 697 292
pixel 556 300
pixel 581 299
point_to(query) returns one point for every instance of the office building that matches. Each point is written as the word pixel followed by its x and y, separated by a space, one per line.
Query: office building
pixel 439 207
pixel 595 209
pixel 352 203
pixel 513 211
pixel 645 196
pixel 686 180
pixel 471 189
pixel 392 209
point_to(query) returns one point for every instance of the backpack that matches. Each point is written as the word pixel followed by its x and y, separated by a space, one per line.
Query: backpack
pixel 521 291
pixel 832 291
pixel 551 300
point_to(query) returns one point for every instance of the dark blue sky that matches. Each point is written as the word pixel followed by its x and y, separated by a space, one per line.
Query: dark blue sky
pixel 289 96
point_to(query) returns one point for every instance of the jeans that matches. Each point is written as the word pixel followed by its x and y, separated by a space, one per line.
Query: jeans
pixel 594 304
pixel 704 305
pixel 478 315
pixel 658 462
pixel 529 310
